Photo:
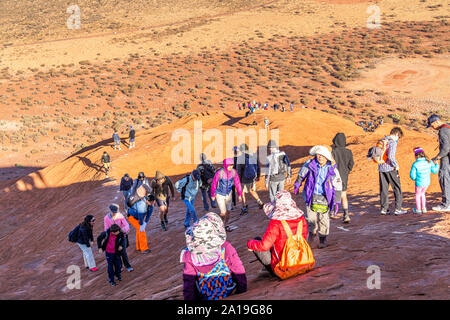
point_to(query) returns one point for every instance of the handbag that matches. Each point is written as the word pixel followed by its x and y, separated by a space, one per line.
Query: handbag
pixel 319 204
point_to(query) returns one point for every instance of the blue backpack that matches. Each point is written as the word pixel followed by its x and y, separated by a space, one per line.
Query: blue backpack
pixel 250 170
pixel 216 284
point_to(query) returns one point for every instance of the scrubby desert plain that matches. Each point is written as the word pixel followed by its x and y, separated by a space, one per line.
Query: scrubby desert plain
pixel 163 65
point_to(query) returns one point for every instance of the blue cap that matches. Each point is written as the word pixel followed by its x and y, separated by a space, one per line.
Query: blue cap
pixel 196 174
pixel 432 118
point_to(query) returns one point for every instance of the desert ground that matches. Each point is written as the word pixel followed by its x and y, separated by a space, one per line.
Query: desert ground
pixel 163 65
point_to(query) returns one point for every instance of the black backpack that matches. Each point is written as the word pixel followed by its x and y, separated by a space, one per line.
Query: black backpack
pixel 183 190
pixel 207 172
pixel 250 171
pixel 74 234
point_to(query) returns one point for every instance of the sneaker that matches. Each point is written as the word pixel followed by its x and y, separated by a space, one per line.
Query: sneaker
pixel 400 212
pixel 441 208
pixel 146 251
pixel 119 278
pixel 163 226
pixel 385 212
pixel 93 269
pixel 129 269
pixel 112 283
pixel 346 219
pixel 424 211
pixel 261 204
pixel 166 220
pixel 417 211
pixel 244 210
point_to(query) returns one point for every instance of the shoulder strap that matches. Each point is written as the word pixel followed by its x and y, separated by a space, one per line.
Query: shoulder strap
pixel 287 229
pixel 299 228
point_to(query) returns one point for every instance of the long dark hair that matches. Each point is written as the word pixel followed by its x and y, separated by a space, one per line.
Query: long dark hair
pixel 87 222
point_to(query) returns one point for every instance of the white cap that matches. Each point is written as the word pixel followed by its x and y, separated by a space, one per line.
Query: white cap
pixel 322 150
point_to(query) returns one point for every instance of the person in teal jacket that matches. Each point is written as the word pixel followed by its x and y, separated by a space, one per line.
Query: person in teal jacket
pixel 421 173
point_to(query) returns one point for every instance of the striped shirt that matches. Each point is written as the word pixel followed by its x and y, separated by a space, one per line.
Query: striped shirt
pixel 391 162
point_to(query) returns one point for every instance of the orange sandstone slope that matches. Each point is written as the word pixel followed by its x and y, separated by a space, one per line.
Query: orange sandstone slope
pixel 40 209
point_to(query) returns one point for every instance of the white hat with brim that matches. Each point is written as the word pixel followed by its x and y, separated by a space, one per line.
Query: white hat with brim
pixel 322 150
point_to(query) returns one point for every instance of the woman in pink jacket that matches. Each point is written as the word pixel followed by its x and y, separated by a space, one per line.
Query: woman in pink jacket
pixel 115 217
pixel 212 267
pixel 221 187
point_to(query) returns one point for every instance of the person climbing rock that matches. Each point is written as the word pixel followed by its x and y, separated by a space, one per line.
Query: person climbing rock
pixel 221 189
pixel 249 172
pixel 106 162
pixel 344 161
pixel 160 190
pixel 188 188
pixel 115 217
pixel 321 178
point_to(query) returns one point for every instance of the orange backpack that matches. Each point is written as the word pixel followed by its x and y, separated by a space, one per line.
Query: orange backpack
pixel 297 257
pixel 379 153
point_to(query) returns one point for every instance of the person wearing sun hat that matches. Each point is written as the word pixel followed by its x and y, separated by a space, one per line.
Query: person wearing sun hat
pixel 207 255
pixel 322 179
pixel 268 250
pixel 436 123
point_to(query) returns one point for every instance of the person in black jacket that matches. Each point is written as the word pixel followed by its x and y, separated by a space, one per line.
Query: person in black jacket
pixel 125 186
pixel 344 161
pixel 248 185
pixel 85 242
pixel 112 241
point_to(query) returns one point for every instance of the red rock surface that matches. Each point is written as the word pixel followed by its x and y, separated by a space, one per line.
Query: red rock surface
pixel 40 209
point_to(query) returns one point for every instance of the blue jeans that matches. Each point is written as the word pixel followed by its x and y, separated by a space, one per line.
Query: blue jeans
pixel 114 265
pixel 205 195
pixel 190 212
pixel 126 194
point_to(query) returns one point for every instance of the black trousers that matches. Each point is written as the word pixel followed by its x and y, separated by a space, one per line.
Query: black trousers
pixel 390 178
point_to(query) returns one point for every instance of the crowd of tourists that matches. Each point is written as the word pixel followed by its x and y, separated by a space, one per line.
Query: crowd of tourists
pixel 212 266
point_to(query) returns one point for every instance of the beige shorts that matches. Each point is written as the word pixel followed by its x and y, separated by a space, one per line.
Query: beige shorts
pixel 224 202
pixel 247 187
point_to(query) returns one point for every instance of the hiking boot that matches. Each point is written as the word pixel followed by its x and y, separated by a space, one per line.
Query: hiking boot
pixel 322 242
pixel 417 211
pixel 163 226
pixel 260 204
pixel 399 212
pixel 385 212
pixel 346 219
pixel 441 208
pixel 310 238
pixel 129 269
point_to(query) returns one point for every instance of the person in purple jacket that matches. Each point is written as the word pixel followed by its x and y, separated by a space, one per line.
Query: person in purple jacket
pixel 212 267
pixel 321 181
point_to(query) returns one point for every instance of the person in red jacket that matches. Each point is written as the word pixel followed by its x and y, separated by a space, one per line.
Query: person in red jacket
pixel 268 250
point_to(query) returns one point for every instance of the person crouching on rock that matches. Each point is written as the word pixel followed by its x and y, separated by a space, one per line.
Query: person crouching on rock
pixel 112 242
pixel 268 250
pixel 321 178
pixel 212 267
